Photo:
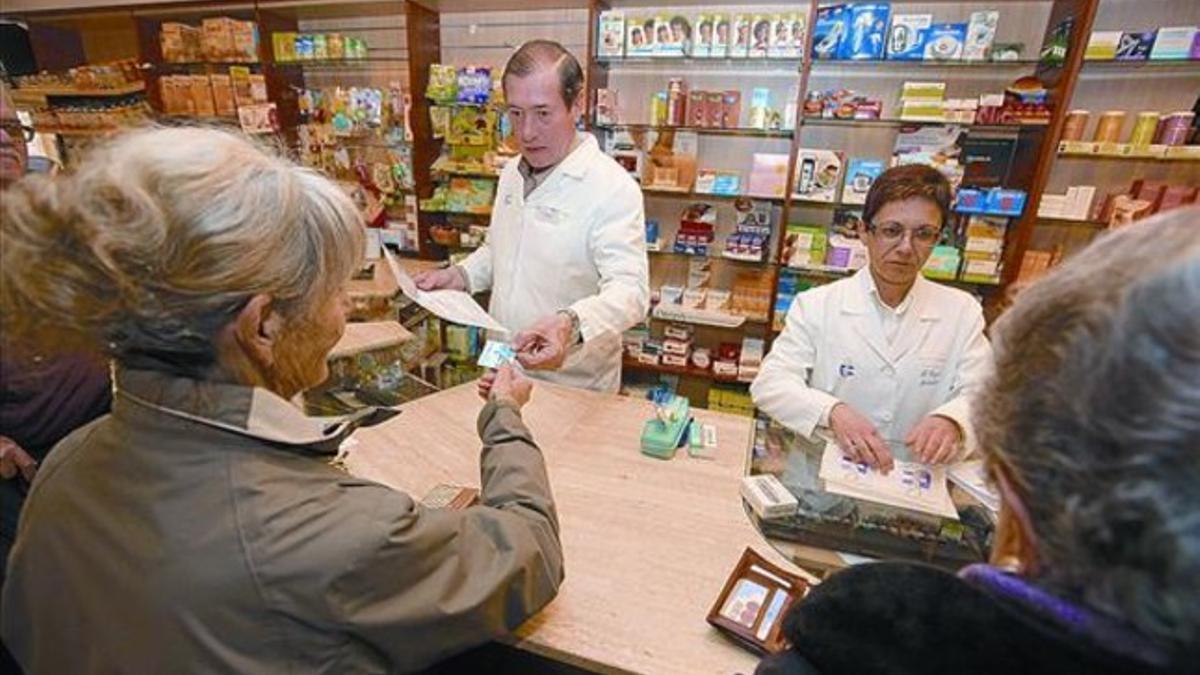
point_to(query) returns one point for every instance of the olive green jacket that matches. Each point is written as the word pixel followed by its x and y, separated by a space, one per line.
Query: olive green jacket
pixel 201 528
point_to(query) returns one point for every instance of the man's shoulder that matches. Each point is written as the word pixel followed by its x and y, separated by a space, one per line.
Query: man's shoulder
pixel 601 168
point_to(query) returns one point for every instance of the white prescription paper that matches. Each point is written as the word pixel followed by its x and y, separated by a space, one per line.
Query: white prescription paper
pixel 456 306
pixel 971 477
pixel 910 485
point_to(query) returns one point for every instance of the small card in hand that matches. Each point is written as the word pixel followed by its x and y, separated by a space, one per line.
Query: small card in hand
pixel 496 354
pixel 453 497
pixel 751 607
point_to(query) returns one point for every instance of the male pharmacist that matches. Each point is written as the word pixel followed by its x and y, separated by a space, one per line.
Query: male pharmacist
pixel 885 360
pixel 565 257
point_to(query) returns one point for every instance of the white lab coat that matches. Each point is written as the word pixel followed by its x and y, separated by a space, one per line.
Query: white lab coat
pixel 831 350
pixel 578 243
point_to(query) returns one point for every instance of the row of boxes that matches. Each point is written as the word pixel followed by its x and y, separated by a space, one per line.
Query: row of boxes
pixel 218 39
pixel 216 95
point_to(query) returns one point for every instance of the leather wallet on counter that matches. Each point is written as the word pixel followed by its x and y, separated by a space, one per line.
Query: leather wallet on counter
pixel 752 605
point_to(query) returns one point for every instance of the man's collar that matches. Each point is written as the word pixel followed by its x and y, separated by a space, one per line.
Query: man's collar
pixel 248 411
pixel 574 164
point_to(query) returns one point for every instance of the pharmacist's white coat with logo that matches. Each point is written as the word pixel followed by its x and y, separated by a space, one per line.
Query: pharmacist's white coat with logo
pixel 577 242
pixel 833 349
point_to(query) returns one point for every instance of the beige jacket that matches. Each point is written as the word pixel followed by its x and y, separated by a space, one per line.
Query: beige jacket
pixel 201 528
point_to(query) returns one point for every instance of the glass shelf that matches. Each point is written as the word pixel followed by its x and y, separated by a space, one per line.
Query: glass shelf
pixel 789 67
pixel 1072 222
pixel 826 64
pixel 745 132
pixel 898 123
pixel 1161 64
pixel 706 196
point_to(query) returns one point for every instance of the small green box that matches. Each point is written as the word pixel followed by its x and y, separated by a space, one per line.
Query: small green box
pixel 661 438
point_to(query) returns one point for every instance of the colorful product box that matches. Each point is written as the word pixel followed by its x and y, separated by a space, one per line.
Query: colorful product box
pixel 1173 43
pixel 829 31
pixel 1135 46
pixel 907 35
pixel 860 176
pixel 945 41
pixel 1102 45
pixel 981 32
pixel 866 30
pixel 610 41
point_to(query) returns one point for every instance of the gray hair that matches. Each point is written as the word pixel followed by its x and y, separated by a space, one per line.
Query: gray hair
pixel 1094 409
pixel 159 239
pixel 537 54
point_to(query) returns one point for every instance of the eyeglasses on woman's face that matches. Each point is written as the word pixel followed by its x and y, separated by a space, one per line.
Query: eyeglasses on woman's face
pixel 891 232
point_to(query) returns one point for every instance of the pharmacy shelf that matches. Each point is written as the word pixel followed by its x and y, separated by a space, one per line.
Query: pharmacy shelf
pixel 183 65
pixel 896 123
pixel 1157 64
pixel 826 64
pixel 456 173
pixel 702 317
pixel 466 214
pixel 722 257
pixel 1072 222
pixel 1105 157
pixel 341 63
pixel 746 132
pixel 78 132
pixel 690 371
pixel 704 196
pixel 127 90
pixel 819 270
pixel 791 66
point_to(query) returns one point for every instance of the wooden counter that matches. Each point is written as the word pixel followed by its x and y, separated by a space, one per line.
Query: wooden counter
pixel 369 336
pixel 648 543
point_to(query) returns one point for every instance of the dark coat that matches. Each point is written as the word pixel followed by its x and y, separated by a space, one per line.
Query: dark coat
pixel 908 618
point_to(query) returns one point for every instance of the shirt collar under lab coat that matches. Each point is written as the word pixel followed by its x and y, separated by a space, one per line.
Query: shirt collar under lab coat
pixel 858 302
pixel 575 164
pixel 248 411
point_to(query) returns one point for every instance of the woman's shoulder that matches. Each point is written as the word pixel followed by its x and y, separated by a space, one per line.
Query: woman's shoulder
pixel 900 617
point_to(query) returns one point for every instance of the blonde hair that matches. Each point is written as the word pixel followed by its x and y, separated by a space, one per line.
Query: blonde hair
pixel 159 239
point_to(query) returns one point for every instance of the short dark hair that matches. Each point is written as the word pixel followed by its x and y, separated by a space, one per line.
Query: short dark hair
pixel 547 53
pixel 905 182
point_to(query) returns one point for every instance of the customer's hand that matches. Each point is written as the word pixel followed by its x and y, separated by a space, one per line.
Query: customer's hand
pixel 14 460
pixel 544 345
pixel 935 440
pixel 859 439
pixel 507 385
pixel 451 278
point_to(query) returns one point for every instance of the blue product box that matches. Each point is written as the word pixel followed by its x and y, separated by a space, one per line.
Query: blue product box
pixel 727 184
pixel 651 231
pixel 1003 202
pixel 970 200
pixel 944 41
pixel 906 36
pixel 867 26
pixel 1135 46
pixel 860 176
pixel 829 31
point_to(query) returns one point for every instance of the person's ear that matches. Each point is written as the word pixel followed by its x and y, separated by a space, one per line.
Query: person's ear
pixel 256 330
pixel 577 108
pixel 1015 536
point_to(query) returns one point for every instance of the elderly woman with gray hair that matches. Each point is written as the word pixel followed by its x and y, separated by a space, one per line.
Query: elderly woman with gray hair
pixel 1090 429
pixel 201 526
